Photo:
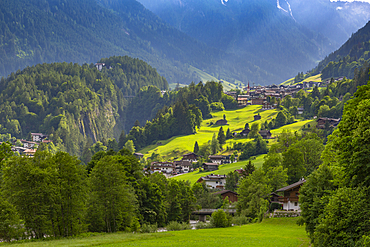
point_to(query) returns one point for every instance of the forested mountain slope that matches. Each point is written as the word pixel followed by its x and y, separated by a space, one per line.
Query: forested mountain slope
pixel 85 31
pixel 351 55
pixel 67 101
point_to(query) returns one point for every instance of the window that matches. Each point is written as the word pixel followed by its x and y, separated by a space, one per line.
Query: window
pixel 296 204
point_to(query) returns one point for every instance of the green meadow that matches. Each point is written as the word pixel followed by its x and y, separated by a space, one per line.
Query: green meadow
pixel 274 232
pixel 175 147
pixel 315 78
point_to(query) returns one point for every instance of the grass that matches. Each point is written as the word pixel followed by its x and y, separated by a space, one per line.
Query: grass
pixel 315 78
pixel 271 232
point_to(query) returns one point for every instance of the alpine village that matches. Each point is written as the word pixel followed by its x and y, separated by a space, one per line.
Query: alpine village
pixel 184 123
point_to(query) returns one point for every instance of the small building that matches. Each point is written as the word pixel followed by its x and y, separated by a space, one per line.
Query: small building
pixel 99 66
pixel 191 157
pixel 231 195
pixel 183 166
pixel 214 181
pixel 257 117
pixel 257 101
pixel 290 200
pixel 38 137
pixel 266 134
pixel 331 122
pixel 163 167
pixel 210 166
pixel 216 159
pixel 28 144
pixel 139 155
pixel 300 110
pixel 221 122
pixel 29 152
pixel 245 132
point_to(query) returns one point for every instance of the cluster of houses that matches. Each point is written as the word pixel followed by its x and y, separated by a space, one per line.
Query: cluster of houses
pixel 28 148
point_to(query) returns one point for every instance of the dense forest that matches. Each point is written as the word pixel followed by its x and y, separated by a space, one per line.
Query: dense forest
pixel 353 55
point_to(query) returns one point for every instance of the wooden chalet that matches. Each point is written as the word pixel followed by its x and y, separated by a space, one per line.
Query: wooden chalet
pixel 191 157
pixel 231 195
pixel 257 117
pixel 258 101
pixel 214 181
pixel 331 122
pixel 266 134
pixel 221 122
pixel 290 200
pixel 139 155
pixel 210 166
pixel 245 132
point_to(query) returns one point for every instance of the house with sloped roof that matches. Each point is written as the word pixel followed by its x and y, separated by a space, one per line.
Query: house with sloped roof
pixel 290 200
pixel 214 181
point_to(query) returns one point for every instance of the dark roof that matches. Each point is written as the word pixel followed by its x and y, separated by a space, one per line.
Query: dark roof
pixel 210 164
pixel 292 186
pixel 190 154
pixel 216 157
pixel 224 192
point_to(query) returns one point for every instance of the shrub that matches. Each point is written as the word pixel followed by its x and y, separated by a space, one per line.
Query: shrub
pixel 241 220
pixel 176 226
pixel 149 228
pixel 203 225
pixel 220 219
pixel 217 106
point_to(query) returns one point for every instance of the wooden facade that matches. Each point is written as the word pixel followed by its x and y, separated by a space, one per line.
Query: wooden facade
pixel 232 196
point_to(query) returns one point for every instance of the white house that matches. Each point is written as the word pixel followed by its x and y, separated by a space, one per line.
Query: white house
pixel 163 167
pixel 290 200
pixel 38 137
pixel 214 181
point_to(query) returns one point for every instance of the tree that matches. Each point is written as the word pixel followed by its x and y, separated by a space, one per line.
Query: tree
pixel 137 123
pixel 121 140
pixel 293 160
pixel 215 146
pixel 10 222
pixel 129 145
pixel 112 203
pixel 221 137
pixel 232 179
pixel 219 219
pixel 281 119
pixel 246 126
pixel 254 130
pixel 196 147
pixel 229 135
pixel 224 117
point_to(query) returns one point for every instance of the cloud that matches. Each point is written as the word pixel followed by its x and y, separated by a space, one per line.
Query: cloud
pixel 366 1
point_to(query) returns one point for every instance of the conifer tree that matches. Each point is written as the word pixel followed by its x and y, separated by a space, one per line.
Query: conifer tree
pixel 121 140
pixel 221 136
pixel 196 147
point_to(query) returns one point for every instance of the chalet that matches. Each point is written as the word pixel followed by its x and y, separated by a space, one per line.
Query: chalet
pixel 214 181
pixel 290 200
pixel 99 66
pixel 139 155
pixel 28 144
pixel 257 117
pixel 210 166
pixel 231 195
pixel 266 134
pixel 242 101
pixel 19 150
pixel 183 166
pixel 258 101
pixel 216 159
pixel 274 198
pixel 191 157
pixel 331 122
pixel 245 132
pixel 300 110
pixel 163 167
pixel 38 137
pixel 29 152
pixel 221 122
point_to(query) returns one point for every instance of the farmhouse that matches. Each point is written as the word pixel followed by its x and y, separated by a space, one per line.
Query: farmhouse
pixel 331 122
pixel 28 144
pixel 231 195
pixel 221 122
pixel 139 155
pixel 257 117
pixel 266 134
pixel 163 167
pixel 290 200
pixel 245 132
pixel 216 158
pixel 38 137
pixel 210 166
pixel 191 157
pixel 257 101
pixel 183 166
pixel 214 181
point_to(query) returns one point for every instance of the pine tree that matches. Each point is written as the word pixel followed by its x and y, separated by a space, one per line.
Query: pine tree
pixel 229 135
pixel 121 140
pixel 221 137
pixel 196 147
pixel 137 123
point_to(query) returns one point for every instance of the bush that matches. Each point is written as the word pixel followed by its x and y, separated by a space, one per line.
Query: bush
pixel 220 219
pixel 176 226
pixel 149 228
pixel 203 225
pixel 217 106
pixel 241 220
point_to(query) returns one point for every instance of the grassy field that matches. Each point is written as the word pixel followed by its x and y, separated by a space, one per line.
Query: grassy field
pixel 175 147
pixel 315 78
pixel 275 232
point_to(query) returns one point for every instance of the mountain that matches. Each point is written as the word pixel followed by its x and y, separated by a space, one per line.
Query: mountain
pixel 282 37
pixel 353 54
pixel 84 31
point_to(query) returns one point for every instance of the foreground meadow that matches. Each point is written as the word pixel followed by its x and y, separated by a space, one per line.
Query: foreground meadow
pixel 271 232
